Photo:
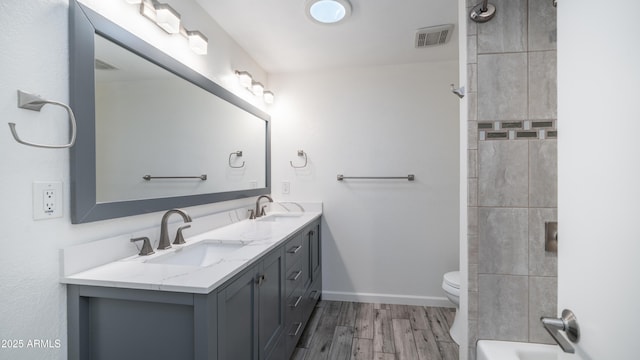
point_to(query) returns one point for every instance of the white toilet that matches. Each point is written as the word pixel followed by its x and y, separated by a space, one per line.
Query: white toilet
pixel 451 286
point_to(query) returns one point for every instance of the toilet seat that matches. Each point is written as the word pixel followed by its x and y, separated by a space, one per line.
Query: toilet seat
pixel 452 279
pixel 451 283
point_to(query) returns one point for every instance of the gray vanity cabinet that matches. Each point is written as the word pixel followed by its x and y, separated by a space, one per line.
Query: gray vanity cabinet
pixel 251 311
pixel 259 314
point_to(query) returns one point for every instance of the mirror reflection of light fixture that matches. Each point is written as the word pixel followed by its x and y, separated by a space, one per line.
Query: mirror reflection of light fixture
pixel 168 19
pixel 244 78
pixel 328 11
pixel 257 88
pixel 268 97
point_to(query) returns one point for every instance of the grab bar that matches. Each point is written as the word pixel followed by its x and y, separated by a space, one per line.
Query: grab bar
pixel 409 177
pixel 201 177
pixel 567 323
pixel 35 103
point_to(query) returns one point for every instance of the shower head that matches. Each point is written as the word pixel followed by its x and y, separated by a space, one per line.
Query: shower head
pixel 482 12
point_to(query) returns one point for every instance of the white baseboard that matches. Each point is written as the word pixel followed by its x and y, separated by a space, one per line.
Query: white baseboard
pixel 387 299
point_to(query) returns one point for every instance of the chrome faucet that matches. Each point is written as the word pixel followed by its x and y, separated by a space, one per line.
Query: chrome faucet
pixel 259 211
pixel 567 323
pixel 164 236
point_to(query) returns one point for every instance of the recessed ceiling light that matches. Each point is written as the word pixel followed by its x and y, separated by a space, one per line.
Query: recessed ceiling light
pixel 328 11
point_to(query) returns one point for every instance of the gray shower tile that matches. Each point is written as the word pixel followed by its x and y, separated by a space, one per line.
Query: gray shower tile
pixel 543 298
pixel 507 31
pixel 472 242
pixel 503 241
pixel 472 106
pixel 543 173
pixel 472 77
pixel 502 86
pixel 502 173
pixel 541 262
pixel 473 280
pixel 503 311
pixel 543 88
pixel 472 163
pixel 472 26
pixel 472 353
pixel 472 221
pixel 472 135
pixel 472 192
pixel 472 49
pixel 542 25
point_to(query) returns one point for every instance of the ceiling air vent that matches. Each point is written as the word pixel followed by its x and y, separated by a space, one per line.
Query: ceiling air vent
pixel 102 65
pixel 433 35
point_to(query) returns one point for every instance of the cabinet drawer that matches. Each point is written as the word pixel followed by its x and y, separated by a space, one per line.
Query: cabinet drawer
pixel 294 277
pixel 293 250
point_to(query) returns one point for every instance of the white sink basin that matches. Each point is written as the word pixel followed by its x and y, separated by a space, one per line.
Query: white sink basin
pixel 202 254
pixel 279 217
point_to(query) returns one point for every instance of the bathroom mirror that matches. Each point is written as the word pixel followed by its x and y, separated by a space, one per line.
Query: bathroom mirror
pixel 153 134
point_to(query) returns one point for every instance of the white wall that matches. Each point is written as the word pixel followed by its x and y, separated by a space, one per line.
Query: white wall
pixel 34 57
pixel 390 240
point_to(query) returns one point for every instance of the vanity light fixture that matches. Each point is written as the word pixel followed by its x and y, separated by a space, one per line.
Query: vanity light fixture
pixel 197 41
pixel 328 11
pixel 168 19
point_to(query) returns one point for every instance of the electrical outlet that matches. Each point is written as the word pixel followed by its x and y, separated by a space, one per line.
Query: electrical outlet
pixel 47 200
pixel 286 187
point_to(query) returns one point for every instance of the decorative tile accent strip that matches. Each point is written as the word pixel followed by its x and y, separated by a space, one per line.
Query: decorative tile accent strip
pixel 526 134
pixel 542 124
pixel 514 130
pixel 497 135
pixel 511 125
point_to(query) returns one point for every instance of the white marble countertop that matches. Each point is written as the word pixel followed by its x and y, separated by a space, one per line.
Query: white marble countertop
pixel 136 272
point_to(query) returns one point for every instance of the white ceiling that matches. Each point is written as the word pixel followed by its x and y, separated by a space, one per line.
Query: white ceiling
pixel 280 37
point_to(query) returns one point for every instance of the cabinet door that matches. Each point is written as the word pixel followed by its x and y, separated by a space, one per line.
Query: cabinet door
pixel 271 301
pixel 237 318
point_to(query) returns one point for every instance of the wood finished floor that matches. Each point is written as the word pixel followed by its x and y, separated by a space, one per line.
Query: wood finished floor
pixel 360 331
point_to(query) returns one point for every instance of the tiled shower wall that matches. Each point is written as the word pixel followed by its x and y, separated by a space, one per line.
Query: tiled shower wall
pixel 512 171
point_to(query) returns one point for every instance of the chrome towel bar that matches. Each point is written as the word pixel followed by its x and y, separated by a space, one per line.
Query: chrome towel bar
pixel 149 177
pixel 409 177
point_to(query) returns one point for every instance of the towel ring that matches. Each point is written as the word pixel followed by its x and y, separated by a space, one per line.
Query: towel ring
pixel 238 154
pixel 300 153
pixel 35 103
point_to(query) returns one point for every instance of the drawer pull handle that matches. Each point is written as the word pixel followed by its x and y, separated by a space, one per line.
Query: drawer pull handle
pixel 312 295
pixel 261 279
pixel 296 276
pixel 295 305
pixel 294 250
pixel 295 333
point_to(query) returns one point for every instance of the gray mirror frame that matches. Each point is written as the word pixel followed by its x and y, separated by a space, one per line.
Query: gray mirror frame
pixel 83 24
